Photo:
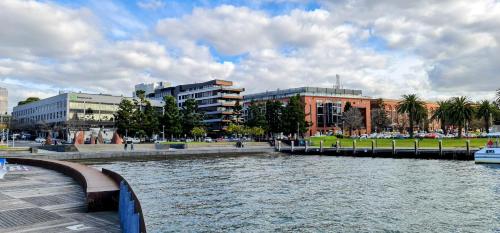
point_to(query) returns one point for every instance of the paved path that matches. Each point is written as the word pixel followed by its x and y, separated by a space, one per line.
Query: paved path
pixel 33 199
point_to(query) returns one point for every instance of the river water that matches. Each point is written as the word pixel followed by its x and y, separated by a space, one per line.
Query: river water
pixel 315 194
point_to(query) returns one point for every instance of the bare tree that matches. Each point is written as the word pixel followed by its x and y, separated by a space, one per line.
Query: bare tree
pixel 353 119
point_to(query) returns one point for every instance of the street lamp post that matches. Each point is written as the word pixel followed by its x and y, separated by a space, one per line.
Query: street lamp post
pixel 163 132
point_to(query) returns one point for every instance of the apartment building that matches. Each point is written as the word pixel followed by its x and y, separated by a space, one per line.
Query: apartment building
pixel 216 100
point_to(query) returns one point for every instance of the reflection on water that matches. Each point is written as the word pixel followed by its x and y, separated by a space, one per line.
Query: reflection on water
pixel 313 193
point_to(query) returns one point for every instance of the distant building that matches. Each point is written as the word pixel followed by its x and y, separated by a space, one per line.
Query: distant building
pixel 399 122
pixel 215 98
pixel 68 112
pixel 323 106
pixel 150 88
pixel 4 102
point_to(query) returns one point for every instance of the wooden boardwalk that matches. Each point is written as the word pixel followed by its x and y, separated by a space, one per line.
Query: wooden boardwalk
pixel 34 199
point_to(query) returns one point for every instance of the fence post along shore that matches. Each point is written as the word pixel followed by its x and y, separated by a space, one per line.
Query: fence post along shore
pixel 393 147
pixel 337 146
pixel 440 145
pixel 321 146
pixel 373 146
pixel 292 143
pixel 354 146
pixel 416 147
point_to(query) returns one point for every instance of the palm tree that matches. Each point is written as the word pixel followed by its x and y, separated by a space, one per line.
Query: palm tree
pixel 442 114
pixel 484 111
pixel 461 112
pixel 414 107
pixel 498 96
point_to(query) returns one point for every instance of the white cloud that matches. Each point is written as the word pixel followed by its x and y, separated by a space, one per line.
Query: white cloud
pixel 151 4
pixel 435 49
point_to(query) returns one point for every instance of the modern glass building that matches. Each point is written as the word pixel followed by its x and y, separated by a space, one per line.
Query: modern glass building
pixel 68 110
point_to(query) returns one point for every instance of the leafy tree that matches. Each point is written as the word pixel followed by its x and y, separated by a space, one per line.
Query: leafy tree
pixel 461 112
pixel 124 117
pixel 190 116
pixel 141 94
pixel 257 131
pixel 237 111
pixel 150 121
pixel 414 107
pixel 498 97
pixel 255 116
pixel 379 116
pixel 353 119
pixel 171 117
pixel 28 100
pixel 294 116
pixel 442 113
pixel 235 129
pixel 347 106
pixel 198 132
pixel 274 115
pixel 485 111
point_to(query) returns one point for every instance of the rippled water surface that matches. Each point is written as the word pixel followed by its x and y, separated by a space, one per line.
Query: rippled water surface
pixel 313 193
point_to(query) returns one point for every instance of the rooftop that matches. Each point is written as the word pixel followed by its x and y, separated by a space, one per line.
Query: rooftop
pixel 305 91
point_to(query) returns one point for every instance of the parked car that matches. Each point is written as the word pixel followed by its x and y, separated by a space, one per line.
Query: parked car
pixel 132 140
pixel 40 140
pixel 208 139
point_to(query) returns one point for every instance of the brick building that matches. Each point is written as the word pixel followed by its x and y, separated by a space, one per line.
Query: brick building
pixel 323 106
pixel 399 122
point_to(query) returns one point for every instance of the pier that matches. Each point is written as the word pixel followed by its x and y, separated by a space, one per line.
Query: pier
pixel 412 153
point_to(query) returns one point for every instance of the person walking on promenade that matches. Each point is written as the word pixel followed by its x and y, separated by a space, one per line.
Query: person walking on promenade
pixel 125 145
pixel 132 146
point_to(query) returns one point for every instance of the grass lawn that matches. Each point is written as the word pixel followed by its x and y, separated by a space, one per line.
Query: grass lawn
pixel 3 147
pixel 201 143
pixel 423 143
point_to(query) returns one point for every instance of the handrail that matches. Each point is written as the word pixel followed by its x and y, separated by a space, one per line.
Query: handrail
pixel 137 204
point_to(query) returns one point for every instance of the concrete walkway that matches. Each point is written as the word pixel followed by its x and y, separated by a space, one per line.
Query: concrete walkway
pixel 33 199
pixel 152 154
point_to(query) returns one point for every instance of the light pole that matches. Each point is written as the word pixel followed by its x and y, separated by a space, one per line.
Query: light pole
pixel 163 132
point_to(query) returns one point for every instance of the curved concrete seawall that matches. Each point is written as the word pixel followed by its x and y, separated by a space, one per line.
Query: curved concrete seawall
pixel 137 204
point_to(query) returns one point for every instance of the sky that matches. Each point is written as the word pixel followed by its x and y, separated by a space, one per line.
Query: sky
pixel 386 48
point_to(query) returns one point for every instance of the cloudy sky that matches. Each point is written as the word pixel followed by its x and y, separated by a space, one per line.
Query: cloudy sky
pixel 386 48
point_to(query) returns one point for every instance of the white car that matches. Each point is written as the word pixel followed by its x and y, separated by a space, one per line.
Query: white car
pixel 40 140
pixel 133 140
pixel 208 139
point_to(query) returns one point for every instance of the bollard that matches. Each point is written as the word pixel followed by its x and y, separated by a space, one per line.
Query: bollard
pixel 305 146
pixel 337 146
pixel 373 147
pixel 279 146
pixel 354 146
pixel 293 144
pixel 393 147
pixel 416 147
pixel 321 146
pixel 440 147
pixel 467 144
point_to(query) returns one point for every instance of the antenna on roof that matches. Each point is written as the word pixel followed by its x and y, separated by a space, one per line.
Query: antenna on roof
pixel 337 83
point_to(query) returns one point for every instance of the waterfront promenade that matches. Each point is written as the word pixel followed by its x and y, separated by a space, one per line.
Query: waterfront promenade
pixel 34 199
